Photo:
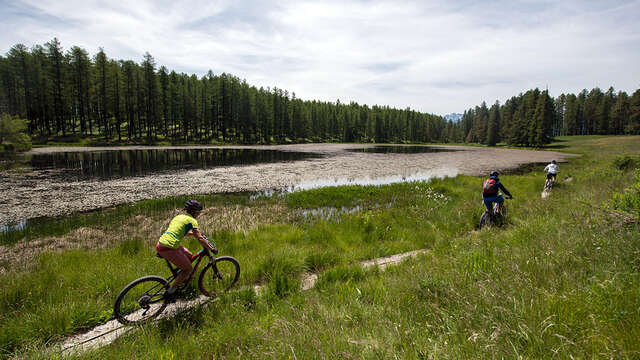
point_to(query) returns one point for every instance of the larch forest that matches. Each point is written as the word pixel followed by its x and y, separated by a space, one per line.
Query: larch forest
pixel 68 93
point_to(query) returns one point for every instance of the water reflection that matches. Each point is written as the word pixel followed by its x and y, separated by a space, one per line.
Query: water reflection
pixel 13 227
pixel 128 163
pixel 395 149
pixel 418 176
pixel 439 173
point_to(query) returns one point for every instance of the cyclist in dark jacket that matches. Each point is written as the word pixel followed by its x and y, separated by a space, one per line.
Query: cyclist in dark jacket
pixel 490 191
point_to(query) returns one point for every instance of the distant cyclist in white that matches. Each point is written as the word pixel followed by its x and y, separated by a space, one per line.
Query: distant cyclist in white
pixel 552 171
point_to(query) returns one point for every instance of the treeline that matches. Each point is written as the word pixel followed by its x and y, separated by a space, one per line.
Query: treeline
pixel 68 92
pixel 63 93
pixel 534 118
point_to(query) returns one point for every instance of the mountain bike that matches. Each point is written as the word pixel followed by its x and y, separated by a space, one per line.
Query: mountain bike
pixel 496 217
pixel 144 298
pixel 548 184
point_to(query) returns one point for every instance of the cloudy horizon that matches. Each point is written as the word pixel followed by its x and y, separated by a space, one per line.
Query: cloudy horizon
pixel 437 56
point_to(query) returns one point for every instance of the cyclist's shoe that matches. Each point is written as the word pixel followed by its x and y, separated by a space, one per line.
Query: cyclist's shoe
pixel 170 298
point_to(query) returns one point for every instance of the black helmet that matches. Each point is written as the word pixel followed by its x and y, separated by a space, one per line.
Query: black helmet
pixel 494 173
pixel 553 161
pixel 192 206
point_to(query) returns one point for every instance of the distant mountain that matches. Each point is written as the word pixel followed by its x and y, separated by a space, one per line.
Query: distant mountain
pixel 455 117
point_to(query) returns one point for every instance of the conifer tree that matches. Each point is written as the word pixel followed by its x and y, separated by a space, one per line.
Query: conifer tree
pixel 18 61
pixel 56 58
pixel 101 96
pixel 633 127
pixel 570 123
pixel 79 61
pixel 150 90
pixel 543 120
pixel 493 124
pixel 620 113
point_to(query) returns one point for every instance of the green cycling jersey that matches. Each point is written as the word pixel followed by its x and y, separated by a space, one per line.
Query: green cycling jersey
pixel 179 226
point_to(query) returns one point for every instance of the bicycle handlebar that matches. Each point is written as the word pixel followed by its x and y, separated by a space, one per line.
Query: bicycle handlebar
pixel 211 244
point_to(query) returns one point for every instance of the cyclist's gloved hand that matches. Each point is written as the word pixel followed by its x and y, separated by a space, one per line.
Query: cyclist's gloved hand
pixel 211 247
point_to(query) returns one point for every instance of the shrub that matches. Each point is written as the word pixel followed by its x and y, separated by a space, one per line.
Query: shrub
pixel 626 162
pixel 12 134
pixel 629 200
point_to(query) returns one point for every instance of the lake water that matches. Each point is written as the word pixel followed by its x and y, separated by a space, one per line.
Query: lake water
pixel 409 149
pixel 99 165
pixel 377 181
pixel 127 163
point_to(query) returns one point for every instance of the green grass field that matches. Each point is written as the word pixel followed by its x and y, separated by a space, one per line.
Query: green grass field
pixel 560 280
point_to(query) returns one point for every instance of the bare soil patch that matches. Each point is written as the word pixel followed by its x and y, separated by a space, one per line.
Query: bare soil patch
pixel 25 196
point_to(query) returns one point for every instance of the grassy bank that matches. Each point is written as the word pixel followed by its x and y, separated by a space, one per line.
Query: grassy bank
pixel 560 279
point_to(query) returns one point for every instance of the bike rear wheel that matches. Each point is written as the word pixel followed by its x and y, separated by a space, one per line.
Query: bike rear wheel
pixel 219 276
pixel 141 300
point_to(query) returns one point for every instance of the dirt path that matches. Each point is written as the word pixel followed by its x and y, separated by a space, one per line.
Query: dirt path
pixel 36 194
pixel 107 333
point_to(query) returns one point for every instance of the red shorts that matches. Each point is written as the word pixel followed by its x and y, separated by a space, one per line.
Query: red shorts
pixel 179 256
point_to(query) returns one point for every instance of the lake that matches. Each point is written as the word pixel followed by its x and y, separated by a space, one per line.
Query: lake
pixel 113 164
pixel 60 181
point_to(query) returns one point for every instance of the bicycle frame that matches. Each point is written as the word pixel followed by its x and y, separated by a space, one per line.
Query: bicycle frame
pixel 494 206
pixel 197 257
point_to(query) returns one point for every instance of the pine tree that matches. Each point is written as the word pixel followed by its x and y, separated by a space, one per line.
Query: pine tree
pixel 590 111
pixel 558 119
pixel 150 93
pixel 101 62
pixel 493 124
pixel 620 113
pixel 543 119
pixel 18 59
pixel 116 74
pixel 633 127
pixel 570 123
pixel 56 58
pixel 79 61
pixel 164 98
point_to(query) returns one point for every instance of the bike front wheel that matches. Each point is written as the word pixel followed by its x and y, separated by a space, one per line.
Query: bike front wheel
pixel 141 300
pixel 503 212
pixel 485 219
pixel 219 276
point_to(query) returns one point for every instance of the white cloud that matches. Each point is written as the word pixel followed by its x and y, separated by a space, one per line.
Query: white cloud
pixel 434 56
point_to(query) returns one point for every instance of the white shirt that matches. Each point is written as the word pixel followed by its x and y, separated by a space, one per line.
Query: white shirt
pixel 551 169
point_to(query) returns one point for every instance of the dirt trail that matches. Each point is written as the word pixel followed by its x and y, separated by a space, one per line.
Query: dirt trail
pixel 107 333
pixel 36 194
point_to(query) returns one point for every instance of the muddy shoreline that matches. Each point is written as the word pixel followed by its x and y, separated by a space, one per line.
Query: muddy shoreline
pixel 36 194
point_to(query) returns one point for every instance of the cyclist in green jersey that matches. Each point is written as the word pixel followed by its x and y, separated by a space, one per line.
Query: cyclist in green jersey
pixel 169 247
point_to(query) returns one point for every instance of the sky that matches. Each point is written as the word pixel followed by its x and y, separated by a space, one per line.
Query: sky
pixel 439 56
